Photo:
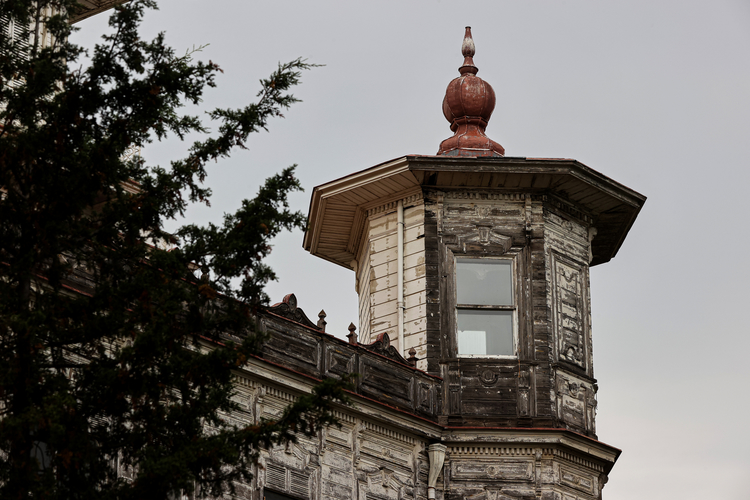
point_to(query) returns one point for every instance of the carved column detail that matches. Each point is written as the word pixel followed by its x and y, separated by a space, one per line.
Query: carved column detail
pixel 436 453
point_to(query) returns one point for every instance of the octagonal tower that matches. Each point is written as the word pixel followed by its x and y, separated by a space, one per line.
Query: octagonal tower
pixel 478 264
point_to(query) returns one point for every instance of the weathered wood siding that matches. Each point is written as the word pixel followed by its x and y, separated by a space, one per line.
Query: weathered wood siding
pixel 550 383
pixel 415 284
pixel 320 355
pixel 361 459
pixel 567 253
pixel 488 391
pixel 378 293
pixel 379 454
pixel 478 471
pixel 363 291
pixel 380 450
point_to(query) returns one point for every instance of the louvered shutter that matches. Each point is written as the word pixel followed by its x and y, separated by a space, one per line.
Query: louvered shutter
pixel 15 35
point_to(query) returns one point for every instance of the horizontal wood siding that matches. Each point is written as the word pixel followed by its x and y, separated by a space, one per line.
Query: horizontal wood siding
pixel 363 286
pixel 382 292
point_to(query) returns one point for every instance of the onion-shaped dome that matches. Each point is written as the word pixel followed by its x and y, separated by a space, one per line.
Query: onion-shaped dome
pixel 468 105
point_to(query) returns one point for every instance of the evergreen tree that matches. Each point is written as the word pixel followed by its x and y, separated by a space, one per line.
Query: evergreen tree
pixel 117 339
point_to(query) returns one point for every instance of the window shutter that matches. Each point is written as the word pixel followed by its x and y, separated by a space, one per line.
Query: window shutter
pixel 19 38
pixel 292 481
pixel 276 476
pixel 299 484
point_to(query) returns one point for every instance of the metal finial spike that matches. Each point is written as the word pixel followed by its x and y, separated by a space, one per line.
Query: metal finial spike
pixel 468 49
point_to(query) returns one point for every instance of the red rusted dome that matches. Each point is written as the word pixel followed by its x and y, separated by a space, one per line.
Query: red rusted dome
pixel 468 105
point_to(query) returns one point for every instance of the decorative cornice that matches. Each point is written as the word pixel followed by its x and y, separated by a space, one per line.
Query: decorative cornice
pixel 577 460
pixel 477 451
pixel 246 382
pixel 411 199
pixel 278 393
pixel 344 417
pixel 566 444
pixel 569 209
pixel 383 431
pixel 496 451
pixel 488 195
pixel 483 240
pixel 343 189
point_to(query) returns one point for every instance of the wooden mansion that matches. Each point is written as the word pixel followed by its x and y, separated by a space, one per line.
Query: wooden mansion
pixel 474 349
pixel 474 345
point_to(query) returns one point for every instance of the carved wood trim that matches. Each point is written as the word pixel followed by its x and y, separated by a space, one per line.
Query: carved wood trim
pixel 288 309
pixel 570 312
pixel 382 346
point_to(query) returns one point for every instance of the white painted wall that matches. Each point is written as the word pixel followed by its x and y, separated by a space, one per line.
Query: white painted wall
pixel 378 277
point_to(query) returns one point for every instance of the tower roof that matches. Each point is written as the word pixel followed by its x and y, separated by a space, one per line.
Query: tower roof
pixel 468 160
pixel 468 105
pixel 338 209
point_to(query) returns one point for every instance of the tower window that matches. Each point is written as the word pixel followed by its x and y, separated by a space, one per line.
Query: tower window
pixel 485 308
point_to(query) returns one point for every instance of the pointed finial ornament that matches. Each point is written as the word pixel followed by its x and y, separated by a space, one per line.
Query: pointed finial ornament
pixel 468 105
pixel 352 334
pixel 322 320
pixel 468 49
pixel 412 359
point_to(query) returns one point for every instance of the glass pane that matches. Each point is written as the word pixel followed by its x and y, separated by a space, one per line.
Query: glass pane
pixel 484 282
pixel 485 332
pixel 472 342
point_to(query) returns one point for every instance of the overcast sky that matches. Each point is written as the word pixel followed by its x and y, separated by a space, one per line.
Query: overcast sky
pixel 654 94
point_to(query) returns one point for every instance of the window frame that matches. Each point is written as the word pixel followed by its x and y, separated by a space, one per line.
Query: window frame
pixel 514 309
pixel 277 495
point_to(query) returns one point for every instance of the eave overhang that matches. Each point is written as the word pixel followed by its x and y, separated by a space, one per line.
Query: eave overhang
pixel 88 8
pixel 338 209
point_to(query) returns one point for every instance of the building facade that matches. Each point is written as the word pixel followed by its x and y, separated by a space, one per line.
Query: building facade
pixel 473 353
pixel 474 350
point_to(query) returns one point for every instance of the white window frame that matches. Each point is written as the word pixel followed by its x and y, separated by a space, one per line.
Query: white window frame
pixel 513 308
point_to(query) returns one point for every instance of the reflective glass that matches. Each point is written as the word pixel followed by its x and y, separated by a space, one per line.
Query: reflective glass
pixel 484 282
pixel 485 332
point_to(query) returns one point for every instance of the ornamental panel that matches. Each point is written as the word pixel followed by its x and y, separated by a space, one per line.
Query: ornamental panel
pixel 490 470
pixel 570 310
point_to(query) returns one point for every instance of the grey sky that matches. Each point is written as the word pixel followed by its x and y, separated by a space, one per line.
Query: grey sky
pixel 654 94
